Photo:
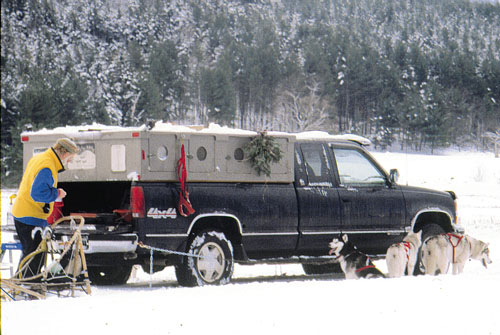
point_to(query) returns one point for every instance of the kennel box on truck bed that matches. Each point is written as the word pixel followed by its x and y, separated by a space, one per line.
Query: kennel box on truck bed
pixel 213 154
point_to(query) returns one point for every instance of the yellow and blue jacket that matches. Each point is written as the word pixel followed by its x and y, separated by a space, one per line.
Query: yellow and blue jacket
pixel 38 189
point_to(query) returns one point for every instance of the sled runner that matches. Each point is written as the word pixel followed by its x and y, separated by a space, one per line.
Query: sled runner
pixel 63 268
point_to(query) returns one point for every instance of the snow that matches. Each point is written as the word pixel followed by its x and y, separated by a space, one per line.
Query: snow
pixel 71 131
pixel 323 135
pixel 159 126
pixel 211 129
pixel 281 299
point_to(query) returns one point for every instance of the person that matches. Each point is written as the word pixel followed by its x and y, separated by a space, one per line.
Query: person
pixel 36 195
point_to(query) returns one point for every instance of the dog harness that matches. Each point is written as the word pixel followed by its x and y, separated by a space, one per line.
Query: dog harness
pixel 365 267
pixel 459 238
pixel 406 245
pixel 184 202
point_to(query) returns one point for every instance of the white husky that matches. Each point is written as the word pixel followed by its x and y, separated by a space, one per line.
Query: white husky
pixel 441 250
pixel 402 256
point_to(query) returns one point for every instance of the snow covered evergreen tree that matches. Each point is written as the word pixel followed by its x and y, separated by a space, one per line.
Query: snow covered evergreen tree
pixel 422 72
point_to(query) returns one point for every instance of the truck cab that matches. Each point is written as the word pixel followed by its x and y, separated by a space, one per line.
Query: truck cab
pixel 342 189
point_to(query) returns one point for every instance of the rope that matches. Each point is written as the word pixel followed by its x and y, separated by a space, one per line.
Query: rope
pixel 151 269
pixel 167 251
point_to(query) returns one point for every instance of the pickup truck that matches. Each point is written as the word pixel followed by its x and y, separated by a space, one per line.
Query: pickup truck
pixel 336 187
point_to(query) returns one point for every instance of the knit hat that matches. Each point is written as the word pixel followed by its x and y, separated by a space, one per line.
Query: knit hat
pixel 67 145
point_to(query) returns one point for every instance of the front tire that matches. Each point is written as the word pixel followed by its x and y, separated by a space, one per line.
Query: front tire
pixel 212 263
pixel 431 229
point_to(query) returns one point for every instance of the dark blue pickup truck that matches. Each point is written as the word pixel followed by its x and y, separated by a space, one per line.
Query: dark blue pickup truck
pixel 338 187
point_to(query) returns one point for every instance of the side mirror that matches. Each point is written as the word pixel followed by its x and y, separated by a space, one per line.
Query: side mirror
pixel 394 176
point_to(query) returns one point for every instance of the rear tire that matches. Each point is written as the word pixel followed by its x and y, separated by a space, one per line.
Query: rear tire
pixel 214 266
pixel 109 275
pixel 428 230
pixel 183 277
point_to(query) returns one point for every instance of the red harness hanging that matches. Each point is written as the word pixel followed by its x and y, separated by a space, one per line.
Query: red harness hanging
pixel 459 238
pixel 184 202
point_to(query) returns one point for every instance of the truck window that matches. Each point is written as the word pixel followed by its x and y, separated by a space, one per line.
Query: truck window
pixel 316 163
pixel 355 169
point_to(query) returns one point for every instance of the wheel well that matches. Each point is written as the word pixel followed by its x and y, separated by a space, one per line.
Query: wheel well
pixel 228 225
pixel 440 218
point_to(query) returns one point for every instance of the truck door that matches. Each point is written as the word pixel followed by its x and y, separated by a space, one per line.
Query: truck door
pixel 373 209
pixel 319 203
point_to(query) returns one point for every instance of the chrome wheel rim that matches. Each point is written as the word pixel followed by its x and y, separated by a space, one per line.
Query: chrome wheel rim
pixel 210 263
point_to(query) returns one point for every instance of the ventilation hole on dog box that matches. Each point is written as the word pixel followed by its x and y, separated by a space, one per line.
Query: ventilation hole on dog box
pixel 162 153
pixel 201 153
pixel 239 154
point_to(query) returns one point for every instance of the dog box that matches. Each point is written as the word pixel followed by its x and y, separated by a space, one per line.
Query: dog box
pixel 106 153
pixel 213 154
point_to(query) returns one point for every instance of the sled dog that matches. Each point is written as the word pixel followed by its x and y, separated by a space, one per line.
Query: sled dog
pixel 353 262
pixel 440 250
pixel 403 255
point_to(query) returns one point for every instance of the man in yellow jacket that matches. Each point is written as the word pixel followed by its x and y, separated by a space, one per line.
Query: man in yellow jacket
pixel 36 195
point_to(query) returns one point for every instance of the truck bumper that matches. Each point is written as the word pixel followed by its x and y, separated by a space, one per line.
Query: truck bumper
pixel 123 243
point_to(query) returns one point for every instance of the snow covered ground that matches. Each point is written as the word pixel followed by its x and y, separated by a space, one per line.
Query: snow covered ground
pixel 281 299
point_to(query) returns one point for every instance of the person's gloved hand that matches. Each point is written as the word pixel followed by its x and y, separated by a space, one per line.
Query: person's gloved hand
pixel 62 193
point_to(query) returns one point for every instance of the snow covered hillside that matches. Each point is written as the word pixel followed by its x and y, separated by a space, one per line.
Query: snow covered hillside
pixel 281 299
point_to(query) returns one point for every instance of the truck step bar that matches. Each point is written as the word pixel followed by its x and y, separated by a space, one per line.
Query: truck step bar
pixel 316 260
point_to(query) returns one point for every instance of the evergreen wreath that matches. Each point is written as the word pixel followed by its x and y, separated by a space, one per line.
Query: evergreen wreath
pixel 261 151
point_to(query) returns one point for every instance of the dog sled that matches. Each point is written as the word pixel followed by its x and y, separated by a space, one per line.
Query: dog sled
pixel 62 270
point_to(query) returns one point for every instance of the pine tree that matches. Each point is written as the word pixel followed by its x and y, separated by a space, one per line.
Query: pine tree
pixel 376 64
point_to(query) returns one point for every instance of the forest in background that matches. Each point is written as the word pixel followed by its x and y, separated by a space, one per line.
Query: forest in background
pixel 417 73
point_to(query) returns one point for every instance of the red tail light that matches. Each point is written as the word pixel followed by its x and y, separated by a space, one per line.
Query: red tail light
pixel 137 202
